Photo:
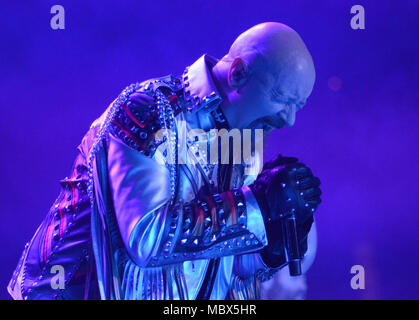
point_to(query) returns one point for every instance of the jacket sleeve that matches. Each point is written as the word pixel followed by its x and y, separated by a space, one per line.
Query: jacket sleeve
pixel 157 233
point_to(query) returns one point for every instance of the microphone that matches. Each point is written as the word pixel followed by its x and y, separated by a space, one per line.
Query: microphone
pixel 291 244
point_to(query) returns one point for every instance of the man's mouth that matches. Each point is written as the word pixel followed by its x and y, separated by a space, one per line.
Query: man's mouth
pixel 267 127
pixel 274 122
pixel 268 123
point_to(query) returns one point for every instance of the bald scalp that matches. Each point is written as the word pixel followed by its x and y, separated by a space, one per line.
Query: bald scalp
pixel 273 46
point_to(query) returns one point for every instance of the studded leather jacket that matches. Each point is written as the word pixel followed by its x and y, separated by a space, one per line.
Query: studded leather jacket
pixel 130 224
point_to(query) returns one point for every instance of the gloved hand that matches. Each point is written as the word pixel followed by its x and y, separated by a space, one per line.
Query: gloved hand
pixel 285 185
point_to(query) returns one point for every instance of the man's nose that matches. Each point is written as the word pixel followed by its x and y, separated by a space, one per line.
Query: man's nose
pixel 291 115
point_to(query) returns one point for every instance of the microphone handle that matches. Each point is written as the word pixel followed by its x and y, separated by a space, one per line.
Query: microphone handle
pixel 291 245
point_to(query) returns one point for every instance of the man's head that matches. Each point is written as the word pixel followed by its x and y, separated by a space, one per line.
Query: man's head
pixel 266 77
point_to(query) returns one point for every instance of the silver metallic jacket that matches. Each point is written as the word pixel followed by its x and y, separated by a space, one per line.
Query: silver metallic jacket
pixel 153 229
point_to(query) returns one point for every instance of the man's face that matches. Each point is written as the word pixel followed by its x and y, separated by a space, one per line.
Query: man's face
pixel 274 98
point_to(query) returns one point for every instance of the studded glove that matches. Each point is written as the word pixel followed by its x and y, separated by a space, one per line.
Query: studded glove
pixel 285 185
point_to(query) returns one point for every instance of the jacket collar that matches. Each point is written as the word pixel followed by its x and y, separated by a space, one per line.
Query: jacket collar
pixel 199 87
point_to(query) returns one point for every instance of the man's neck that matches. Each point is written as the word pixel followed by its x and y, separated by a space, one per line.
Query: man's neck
pixel 220 77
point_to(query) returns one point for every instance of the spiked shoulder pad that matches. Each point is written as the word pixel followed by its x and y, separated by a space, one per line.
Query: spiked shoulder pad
pixel 136 123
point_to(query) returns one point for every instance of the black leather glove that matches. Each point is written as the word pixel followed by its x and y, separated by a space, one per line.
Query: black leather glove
pixel 285 185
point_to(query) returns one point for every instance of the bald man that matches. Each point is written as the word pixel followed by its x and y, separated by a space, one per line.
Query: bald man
pixel 158 206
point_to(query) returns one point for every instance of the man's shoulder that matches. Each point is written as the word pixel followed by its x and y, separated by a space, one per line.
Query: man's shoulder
pixel 139 114
pixel 136 121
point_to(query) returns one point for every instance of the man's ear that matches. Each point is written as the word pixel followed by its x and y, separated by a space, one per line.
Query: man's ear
pixel 238 73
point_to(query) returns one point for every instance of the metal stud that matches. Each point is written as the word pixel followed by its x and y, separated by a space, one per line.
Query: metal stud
pixel 143 135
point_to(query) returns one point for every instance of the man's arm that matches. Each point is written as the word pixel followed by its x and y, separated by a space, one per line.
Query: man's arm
pixel 156 233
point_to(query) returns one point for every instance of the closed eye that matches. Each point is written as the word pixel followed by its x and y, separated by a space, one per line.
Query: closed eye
pixel 278 97
pixel 275 93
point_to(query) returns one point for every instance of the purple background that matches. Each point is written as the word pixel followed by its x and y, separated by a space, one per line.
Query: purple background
pixel 358 131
